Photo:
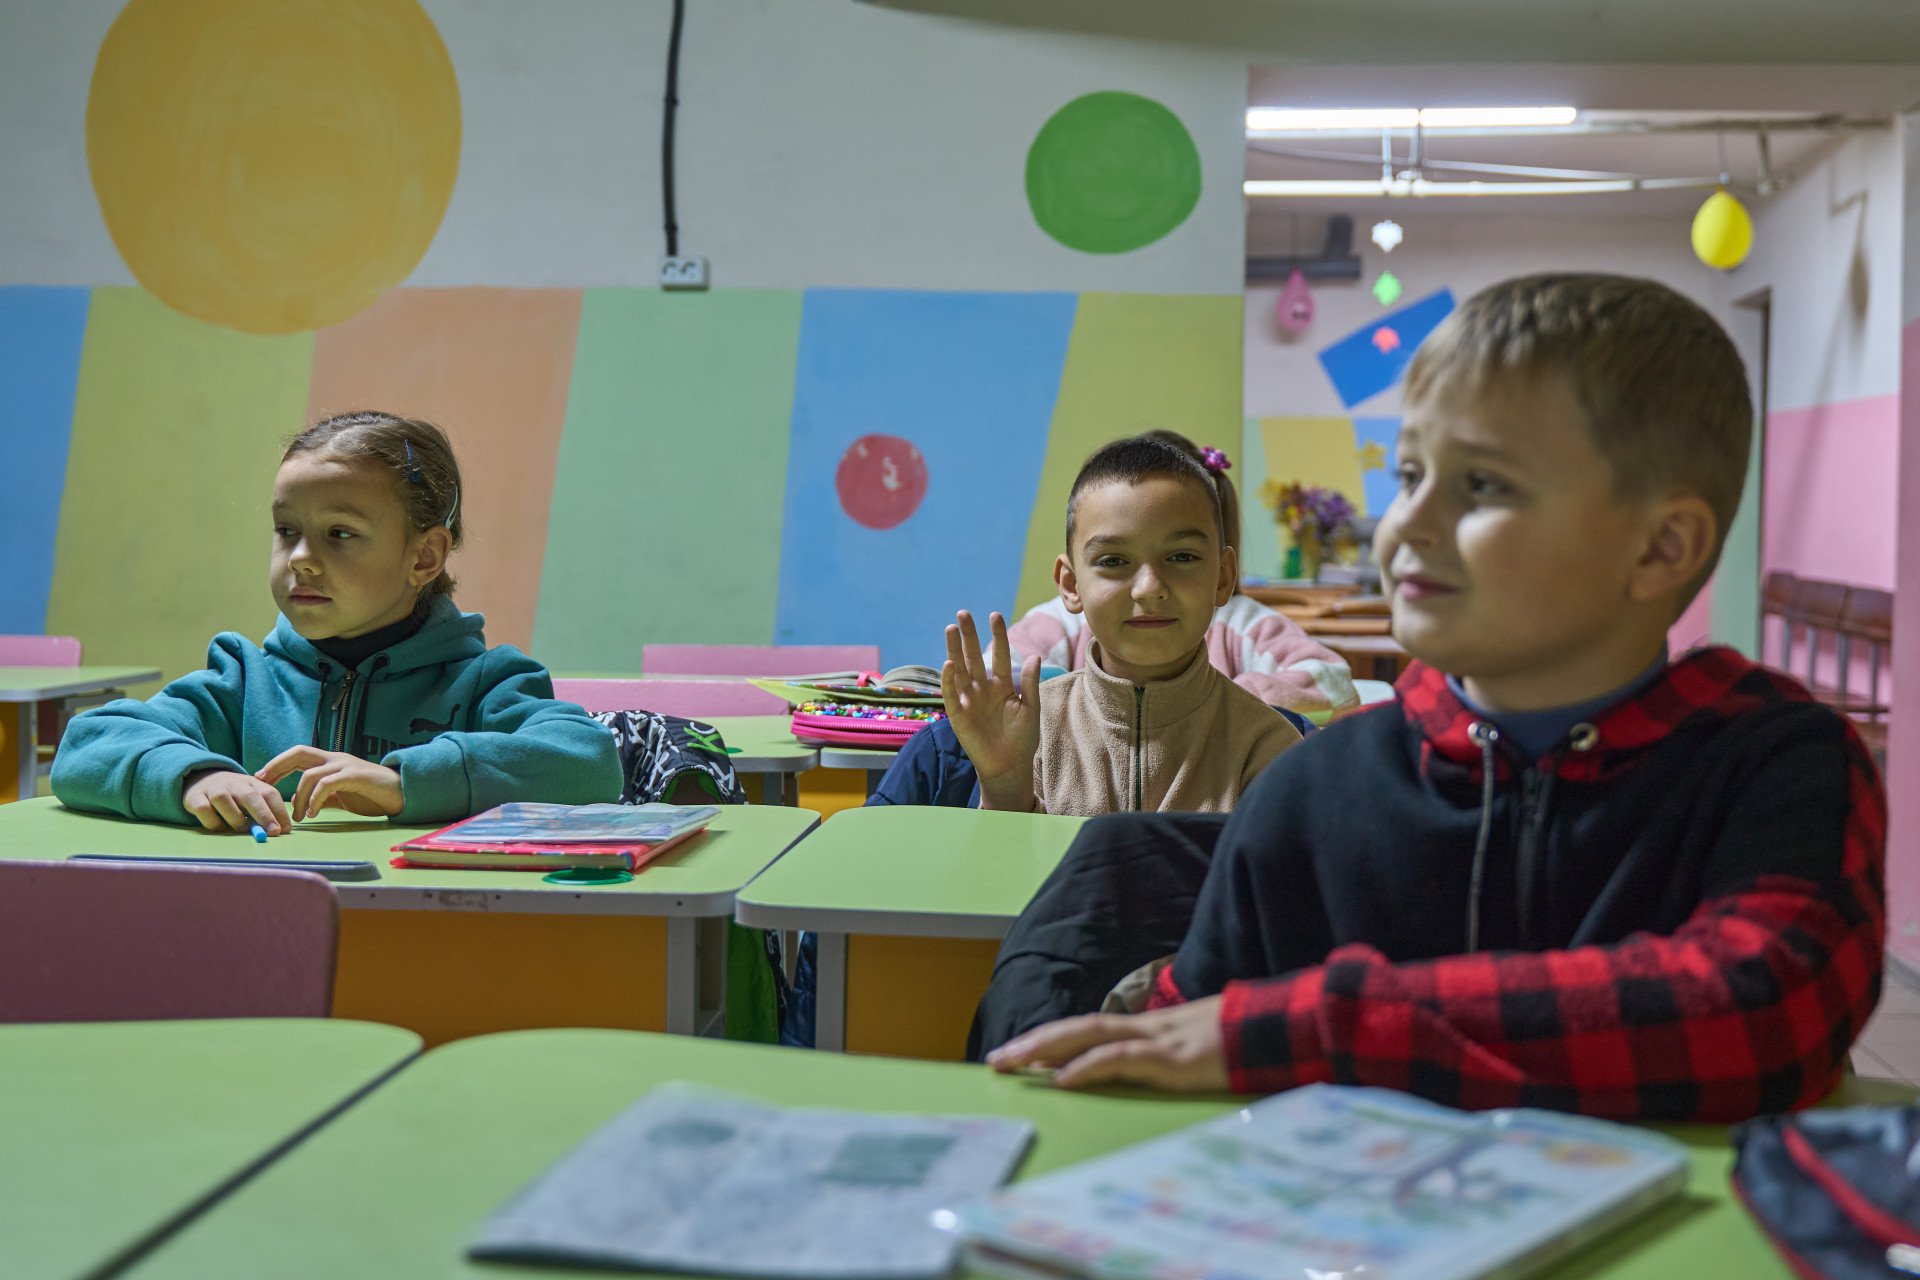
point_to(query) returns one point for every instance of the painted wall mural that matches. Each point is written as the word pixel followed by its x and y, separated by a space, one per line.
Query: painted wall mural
pixel 1112 172
pixel 745 465
pixel 272 167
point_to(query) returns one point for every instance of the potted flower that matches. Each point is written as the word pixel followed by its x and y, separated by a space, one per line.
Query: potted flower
pixel 1320 520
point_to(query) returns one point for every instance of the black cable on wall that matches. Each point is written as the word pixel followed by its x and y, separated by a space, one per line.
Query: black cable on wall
pixel 666 128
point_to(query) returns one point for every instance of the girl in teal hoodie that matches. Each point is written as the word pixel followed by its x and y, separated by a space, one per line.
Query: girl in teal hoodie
pixel 373 694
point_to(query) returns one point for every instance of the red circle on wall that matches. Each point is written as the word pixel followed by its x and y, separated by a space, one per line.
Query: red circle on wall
pixel 881 480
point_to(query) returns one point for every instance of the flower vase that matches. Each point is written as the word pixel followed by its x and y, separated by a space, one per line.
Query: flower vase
pixel 1311 557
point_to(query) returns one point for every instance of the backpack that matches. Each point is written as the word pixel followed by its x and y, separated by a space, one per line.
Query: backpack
pixel 667 758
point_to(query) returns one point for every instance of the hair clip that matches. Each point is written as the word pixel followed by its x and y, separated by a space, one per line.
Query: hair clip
pixel 1214 459
pixel 413 468
pixel 453 510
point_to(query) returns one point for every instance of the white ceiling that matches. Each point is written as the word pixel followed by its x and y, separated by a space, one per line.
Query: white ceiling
pixel 1386 31
pixel 1670 93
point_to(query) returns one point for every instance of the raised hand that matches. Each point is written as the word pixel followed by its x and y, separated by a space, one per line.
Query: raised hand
pixel 996 718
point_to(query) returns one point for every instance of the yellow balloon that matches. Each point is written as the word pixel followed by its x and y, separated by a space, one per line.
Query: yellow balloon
pixel 1722 232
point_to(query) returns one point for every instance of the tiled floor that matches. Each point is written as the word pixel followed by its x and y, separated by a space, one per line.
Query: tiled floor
pixel 1890 1046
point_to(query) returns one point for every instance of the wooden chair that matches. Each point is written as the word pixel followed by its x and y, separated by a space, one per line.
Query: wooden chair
pixel 1868 619
pixel 693 699
pixel 1775 592
pixel 756 660
pixel 110 942
pixel 1817 608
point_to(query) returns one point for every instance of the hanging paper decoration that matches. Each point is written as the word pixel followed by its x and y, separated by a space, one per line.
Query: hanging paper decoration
pixel 1294 312
pixel 1387 235
pixel 1722 232
pixel 1386 339
pixel 1387 288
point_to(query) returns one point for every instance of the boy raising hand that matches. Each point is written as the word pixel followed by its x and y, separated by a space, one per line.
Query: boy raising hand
pixel 1148 723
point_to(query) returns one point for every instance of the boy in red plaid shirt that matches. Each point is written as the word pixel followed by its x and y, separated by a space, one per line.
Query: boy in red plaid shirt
pixel 1561 870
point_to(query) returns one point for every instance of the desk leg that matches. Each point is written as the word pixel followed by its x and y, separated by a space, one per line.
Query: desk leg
pixel 830 993
pixel 26 773
pixel 873 781
pixel 683 975
pixel 780 788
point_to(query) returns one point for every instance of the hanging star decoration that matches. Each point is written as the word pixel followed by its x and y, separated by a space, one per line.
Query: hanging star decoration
pixel 1387 288
pixel 1387 235
pixel 1386 339
pixel 1373 454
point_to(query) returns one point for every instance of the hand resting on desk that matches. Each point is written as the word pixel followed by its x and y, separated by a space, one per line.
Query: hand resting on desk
pixel 1177 1049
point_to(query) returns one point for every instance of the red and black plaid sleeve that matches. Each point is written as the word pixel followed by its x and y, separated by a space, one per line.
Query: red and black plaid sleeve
pixel 1749 1007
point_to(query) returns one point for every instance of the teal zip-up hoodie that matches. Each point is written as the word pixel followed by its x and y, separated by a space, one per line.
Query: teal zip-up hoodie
pixel 465 726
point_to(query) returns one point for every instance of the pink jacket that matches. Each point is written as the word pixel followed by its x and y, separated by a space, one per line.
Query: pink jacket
pixel 1263 650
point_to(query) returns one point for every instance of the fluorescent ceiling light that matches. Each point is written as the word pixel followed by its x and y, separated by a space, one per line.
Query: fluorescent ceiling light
pixel 1278 119
pixel 1422 187
pixel 1496 117
pixel 1290 120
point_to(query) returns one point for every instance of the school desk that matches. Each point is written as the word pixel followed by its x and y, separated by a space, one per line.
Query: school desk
pixel 114 1132
pixel 766 746
pixel 1355 626
pixel 910 903
pixel 458 953
pixel 26 688
pixel 873 764
pixel 1377 657
pixel 402 1182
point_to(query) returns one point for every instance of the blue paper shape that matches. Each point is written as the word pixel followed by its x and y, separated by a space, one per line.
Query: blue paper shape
pixel 969 378
pixel 1359 369
pixel 42 331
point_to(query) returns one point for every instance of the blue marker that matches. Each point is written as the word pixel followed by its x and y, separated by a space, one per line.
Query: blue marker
pixel 259 833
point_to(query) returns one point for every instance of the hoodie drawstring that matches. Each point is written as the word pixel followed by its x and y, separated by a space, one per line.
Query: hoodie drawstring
pixel 1583 737
pixel 360 714
pixel 320 706
pixel 1488 737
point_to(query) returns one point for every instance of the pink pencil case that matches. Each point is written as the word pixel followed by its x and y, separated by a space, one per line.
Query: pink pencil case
pixel 844 731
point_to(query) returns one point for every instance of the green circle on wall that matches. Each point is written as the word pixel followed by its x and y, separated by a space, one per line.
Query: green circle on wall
pixel 1110 172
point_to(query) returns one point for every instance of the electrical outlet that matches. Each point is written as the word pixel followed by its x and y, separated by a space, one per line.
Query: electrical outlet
pixel 683 273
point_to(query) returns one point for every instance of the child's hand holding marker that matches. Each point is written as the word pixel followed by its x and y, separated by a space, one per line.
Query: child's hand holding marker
pixel 225 801
pixel 335 780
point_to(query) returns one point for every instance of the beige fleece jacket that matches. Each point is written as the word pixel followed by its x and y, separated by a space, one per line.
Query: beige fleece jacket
pixel 1192 743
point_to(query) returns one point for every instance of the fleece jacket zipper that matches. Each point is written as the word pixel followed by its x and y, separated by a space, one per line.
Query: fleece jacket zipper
pixel 1139 734
pixel 340 705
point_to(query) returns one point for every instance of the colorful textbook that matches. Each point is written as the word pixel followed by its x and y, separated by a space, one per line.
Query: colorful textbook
pixel 1332 1181
pixel 558 837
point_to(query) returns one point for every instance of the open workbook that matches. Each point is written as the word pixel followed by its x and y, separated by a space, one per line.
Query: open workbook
pixel 692 1179
pixel 1330 1181
pixel 908 684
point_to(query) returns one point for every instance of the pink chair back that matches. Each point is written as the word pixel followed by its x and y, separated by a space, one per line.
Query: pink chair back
pixel 756 659
pixel 111 942
pixel 39 651
pixel 693 699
